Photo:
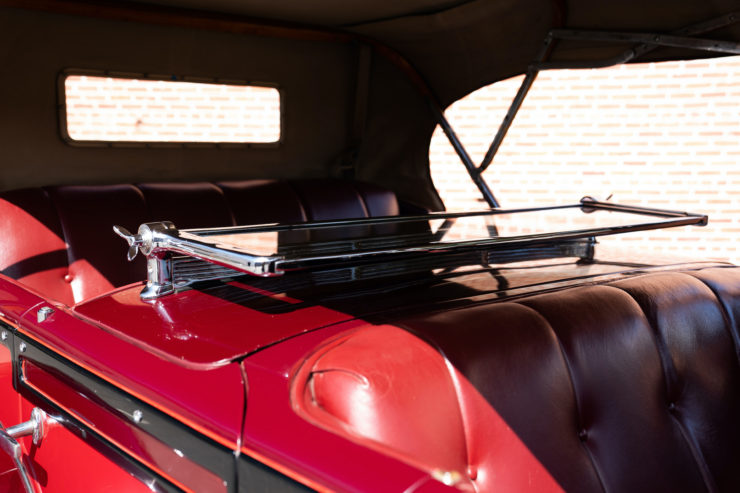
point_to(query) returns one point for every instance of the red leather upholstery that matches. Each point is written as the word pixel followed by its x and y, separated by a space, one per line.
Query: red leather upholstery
pixel 62 243
pixel 86 215
pixel 630 386
pixel 33 249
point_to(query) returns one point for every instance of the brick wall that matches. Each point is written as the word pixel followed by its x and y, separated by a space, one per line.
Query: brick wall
pixel 664 135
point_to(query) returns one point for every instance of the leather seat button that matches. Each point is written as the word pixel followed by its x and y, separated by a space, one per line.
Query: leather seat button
pixel 68 278
pixel 583 435
pixel 472 472
pixel 672 407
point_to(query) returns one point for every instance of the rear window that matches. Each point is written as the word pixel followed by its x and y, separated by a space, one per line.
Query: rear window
pixel 101 109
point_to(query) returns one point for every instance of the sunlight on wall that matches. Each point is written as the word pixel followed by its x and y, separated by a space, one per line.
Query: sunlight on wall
pixel 664 135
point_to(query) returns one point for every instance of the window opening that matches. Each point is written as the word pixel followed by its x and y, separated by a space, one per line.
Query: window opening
pixel 108 109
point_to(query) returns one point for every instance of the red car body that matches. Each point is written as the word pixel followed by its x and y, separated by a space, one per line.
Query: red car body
pixel 556 365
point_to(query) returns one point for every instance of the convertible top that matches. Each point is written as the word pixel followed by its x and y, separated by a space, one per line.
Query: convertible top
pixel 358 78
pixel 461 45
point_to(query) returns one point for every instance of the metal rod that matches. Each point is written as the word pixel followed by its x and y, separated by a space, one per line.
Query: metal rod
pixel 656 39
pixel 275 227
pixel 641 49
pixel 464 156
pixel 516 104
pixel 503 129
pixel 591 203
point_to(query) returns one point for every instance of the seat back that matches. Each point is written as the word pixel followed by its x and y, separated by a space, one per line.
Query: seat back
pixel 60 242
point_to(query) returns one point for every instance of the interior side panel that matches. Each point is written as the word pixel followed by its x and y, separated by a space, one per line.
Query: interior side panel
pixel 35 47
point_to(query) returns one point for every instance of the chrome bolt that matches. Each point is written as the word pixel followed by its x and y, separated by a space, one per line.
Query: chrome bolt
pixel 44 313
pixel 22 347
pixel 138 416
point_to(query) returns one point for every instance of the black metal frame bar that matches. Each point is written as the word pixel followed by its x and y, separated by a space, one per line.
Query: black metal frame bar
pixel 644 43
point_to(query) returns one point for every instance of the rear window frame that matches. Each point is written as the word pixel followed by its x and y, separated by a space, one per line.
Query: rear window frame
pixel 67 138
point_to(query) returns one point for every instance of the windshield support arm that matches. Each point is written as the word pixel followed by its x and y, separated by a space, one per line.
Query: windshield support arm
pixel 647 43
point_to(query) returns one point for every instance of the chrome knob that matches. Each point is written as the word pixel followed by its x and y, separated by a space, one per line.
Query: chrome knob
pixel 36 427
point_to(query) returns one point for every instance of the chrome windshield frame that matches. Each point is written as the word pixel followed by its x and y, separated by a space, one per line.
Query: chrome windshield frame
pixel 167 248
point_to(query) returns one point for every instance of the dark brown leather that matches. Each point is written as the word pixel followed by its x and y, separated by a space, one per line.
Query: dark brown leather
pixel 187 205
pixel 263 201
pixel 87 215
pixel 63 243
pixel 33 249
pixel 324 200
pixel 629 386
pixel 700 362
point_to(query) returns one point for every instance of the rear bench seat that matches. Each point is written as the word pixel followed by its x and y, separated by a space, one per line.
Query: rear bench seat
pixel 628 386
pixel 59 240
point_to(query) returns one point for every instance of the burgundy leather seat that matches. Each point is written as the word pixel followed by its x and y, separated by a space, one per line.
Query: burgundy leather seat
pixel 628 386
pixel 60 241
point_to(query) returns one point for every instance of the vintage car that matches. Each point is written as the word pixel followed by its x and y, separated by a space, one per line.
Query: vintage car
pixel 301 312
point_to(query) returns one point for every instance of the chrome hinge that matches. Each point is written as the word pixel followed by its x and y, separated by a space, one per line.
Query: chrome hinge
pixel 36 427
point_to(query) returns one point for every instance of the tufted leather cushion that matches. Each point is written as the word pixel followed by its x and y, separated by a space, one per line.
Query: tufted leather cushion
pixel 263 201
pixel 85 213
pixel 188 205
pixel 629 386
pixel 62 243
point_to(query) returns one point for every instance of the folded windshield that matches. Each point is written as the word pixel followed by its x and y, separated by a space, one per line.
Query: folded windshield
pixel 384 246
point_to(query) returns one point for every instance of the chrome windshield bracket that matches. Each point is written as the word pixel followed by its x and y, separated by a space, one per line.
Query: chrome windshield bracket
pixel 36 427
pixel 159 277
pixel 161 241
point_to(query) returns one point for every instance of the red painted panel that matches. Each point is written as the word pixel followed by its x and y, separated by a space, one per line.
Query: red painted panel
pixel 438 421
pixel 63 463
pixel 81 404
pixel 9 415
pixel 208 327
pixel 15 299
pixel 10 482
pixel 10 410
pixel 52 463
pixel 320 459
pixel 209 400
